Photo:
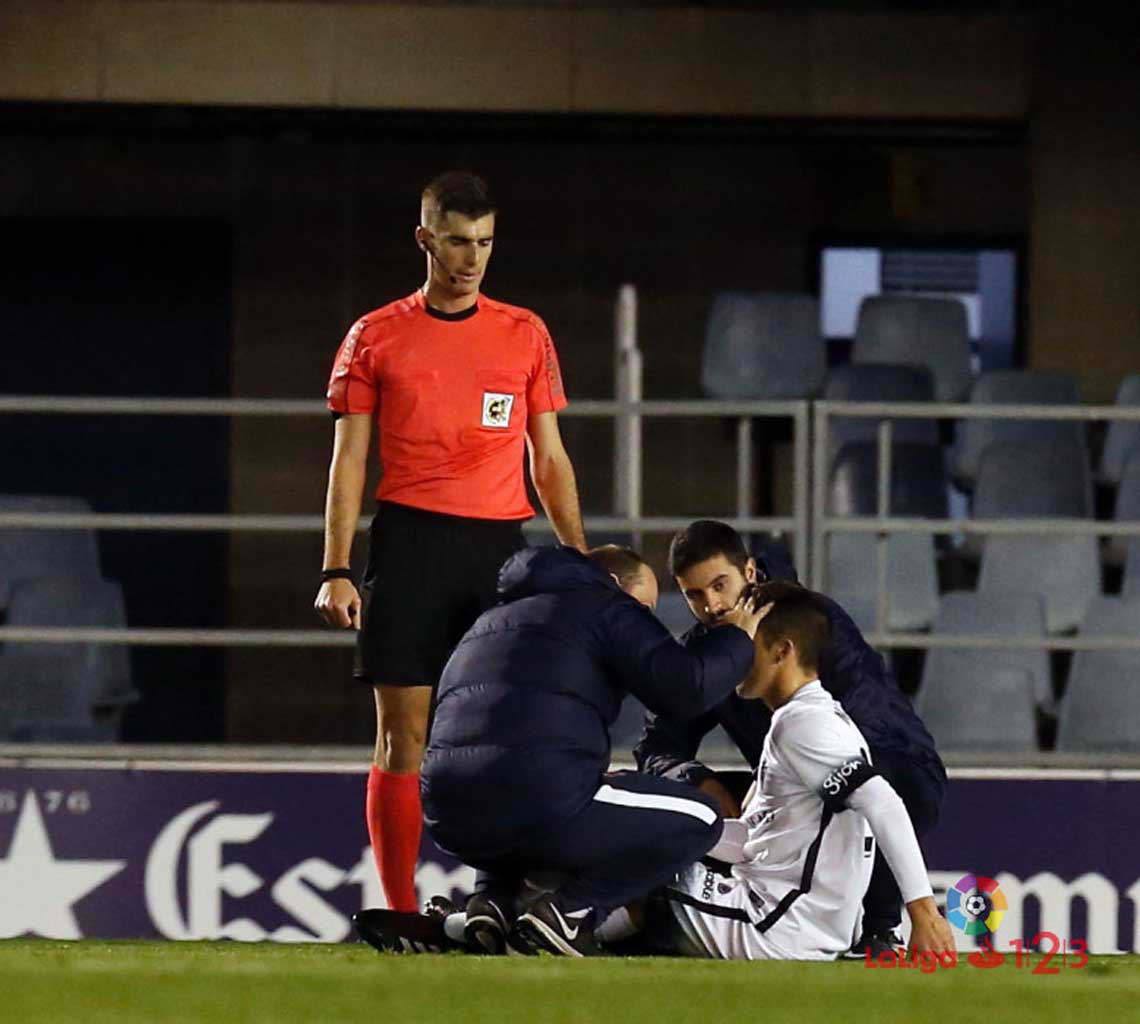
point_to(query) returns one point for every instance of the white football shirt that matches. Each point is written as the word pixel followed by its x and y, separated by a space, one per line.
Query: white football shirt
pixel 798 892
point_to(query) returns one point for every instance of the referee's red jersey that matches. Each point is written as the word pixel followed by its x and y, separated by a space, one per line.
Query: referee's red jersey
pixel 451 394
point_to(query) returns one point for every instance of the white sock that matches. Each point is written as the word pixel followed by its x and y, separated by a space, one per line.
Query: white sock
pixel 618 925
pixel 453 925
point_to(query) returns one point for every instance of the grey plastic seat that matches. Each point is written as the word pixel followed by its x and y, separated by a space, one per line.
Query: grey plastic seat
pixel 912 578
pixel 984 711
pixel 26 553
pixel 1024 480
pixel 1131 585
pixel 918 488
pixel 40 701
pixel 1126 509
pixel 763 345
pixel 918 481
pixel 99 673
pixel 1122 437
pixel 673 610
pixel 879 382
pixel 930 332
pixel 1030 481
pixel 1100 710
pixel 1016 387
pixel 1064 569
pixel 995 613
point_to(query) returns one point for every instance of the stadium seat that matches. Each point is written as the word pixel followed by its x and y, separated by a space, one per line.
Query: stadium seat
pixel 1131 584
pixel 918 488
pixel 1100 710
pixel 878 382
pixel 989 614
pixel 1065 570
pixel 930 332
pixel 1015 387
pixel 27 553
pixel 1030 481
pixel 40 701
pixel 98 675
pixel 918 481
pixel 1033 480
pixel 912 578
pixel 1126 509
pixel 1122 437
pixel 763 345
pixel 983 711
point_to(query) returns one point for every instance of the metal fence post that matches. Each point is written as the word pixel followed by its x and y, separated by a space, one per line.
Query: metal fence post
pixel 627 425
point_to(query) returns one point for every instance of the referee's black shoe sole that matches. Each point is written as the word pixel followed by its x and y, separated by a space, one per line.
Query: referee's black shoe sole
pixel 391 931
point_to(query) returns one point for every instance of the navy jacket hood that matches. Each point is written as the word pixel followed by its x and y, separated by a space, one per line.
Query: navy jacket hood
pixel 774 561
pixel 550 570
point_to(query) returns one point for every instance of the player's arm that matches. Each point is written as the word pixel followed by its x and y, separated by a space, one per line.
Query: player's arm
pixel 885 812
pixel 553 476
pixel 672 680
pixel 668 748
pixel 338 601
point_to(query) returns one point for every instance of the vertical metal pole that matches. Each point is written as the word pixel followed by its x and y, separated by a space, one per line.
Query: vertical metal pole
pixel 882 553
pixel 801 473
pixel 627 425
pixel 744 467
pixel 819 498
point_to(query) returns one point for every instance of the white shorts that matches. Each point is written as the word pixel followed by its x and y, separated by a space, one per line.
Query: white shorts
pixel 712 915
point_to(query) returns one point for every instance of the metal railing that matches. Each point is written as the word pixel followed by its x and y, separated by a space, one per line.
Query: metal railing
pixel 633 522
pixel 883 524
pixel 810 522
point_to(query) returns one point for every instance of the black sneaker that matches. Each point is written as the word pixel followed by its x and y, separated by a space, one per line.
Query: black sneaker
pixel 391 931
pixel 544 928
pixel 874 945
pixel 486 929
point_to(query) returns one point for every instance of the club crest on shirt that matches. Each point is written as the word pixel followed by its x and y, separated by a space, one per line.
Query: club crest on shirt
pixel 497 409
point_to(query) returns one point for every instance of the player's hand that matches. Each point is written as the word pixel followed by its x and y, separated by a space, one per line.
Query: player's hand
pixel 747 613
pixel 729 808
pixel 929 930
pixel 338 603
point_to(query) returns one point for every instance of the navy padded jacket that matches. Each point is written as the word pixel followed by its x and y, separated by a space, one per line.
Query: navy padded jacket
pixel 520 734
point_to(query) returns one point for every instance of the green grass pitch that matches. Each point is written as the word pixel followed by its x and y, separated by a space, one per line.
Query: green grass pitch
pixel 91 982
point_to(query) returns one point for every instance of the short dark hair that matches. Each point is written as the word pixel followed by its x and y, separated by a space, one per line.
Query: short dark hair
pixel 797 615
pixel 625 563
pixel 702 540
pixel 459 192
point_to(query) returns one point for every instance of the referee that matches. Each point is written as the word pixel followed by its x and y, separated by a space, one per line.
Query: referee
pixel 457 384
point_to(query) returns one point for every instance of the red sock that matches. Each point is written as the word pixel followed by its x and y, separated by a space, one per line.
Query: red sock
pixel 395 821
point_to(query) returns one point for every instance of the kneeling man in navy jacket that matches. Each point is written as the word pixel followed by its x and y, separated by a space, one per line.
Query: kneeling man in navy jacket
pixel 515 777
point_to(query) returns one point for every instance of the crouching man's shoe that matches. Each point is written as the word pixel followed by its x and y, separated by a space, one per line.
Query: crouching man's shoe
pixel 546 928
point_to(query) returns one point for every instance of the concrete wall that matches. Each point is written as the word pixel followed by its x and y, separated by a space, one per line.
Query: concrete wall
pixel 561 59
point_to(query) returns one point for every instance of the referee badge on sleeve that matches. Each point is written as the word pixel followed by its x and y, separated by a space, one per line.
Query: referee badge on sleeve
pixel 497 409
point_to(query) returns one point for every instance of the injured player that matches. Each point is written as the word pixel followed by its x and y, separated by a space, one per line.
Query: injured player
pixel 800 855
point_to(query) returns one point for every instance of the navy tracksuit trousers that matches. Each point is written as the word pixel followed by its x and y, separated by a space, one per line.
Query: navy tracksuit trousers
pixel 634 834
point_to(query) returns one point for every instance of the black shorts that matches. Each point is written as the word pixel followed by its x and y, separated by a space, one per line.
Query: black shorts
pixel 429 576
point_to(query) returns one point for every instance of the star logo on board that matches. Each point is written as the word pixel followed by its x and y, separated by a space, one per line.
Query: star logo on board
pixel 37 891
